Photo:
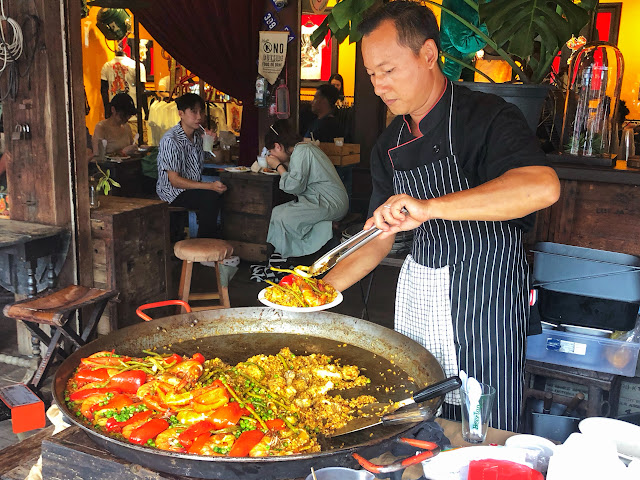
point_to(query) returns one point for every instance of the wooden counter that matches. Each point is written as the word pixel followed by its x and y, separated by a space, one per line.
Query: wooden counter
pixel 246 211
pixel 599 207
pixel 130 239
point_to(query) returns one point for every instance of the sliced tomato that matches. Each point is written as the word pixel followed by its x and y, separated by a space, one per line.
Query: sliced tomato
pixel 113 425
pixel 198 443
pixel 88 392
pixel 129 381
pixel 198 357
pixel 226 416
pixel 245 442
pixel 276 424
pixel 148 430
pixel 189 435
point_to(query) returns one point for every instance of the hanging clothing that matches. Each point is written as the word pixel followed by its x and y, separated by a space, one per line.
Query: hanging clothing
pixel 162 117
pixel 463 290
pixel 301 227
pixel 218 117
pixel 120 74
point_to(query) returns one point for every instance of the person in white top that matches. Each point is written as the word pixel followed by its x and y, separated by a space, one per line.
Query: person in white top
pixel 118 75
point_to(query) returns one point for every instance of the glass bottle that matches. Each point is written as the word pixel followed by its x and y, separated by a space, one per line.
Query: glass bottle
pixel 282 100
pixel 591 104
pixel 93 193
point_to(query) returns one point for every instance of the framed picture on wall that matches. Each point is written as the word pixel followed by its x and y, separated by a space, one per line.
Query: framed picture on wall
pixel 316 64
pixel 607 24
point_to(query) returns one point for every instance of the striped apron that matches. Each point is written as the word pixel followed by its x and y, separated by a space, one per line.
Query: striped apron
pixel 462 292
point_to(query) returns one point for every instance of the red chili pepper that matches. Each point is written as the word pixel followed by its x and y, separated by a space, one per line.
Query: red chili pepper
pixel 117 403
pixel 276 424
pixel 226 416
pixel 198 443
pixel 189 435
pixel 129 381
pixel 245 442
pixel 87 375
pixel 198 357
pixel 148 430
pixel 88 392
pixel 287 280
pixel 175 358
pixel 113 425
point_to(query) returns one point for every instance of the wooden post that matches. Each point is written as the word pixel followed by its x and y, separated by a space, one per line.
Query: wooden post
pixel 48 177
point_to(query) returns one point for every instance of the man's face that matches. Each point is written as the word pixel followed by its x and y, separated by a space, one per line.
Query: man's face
pixel 401 78
pixel 318 103
pixel 191 118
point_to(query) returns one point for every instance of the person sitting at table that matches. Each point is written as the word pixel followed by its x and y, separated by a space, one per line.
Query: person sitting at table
pixel 337 81
pixel 304 225
pixel 115 129
pixel 180 161
pixel 325 127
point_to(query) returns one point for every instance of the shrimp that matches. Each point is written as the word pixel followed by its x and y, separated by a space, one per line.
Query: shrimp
pixel 222 441
pixel 263 448
pixel 189 371
pixel 168 440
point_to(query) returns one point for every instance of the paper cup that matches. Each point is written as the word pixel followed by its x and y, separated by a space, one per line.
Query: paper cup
pixel 262 161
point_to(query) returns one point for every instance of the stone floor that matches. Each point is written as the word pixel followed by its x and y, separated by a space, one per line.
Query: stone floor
pixel 243 292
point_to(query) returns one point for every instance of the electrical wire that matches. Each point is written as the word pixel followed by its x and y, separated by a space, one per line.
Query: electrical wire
pixel 9 52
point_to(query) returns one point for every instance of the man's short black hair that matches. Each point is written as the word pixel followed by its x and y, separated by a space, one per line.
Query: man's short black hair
pixel 123 104
pixel 415 23
pixel 329 92
pixel 189 100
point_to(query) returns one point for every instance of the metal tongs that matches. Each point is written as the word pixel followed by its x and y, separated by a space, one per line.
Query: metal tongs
pixel 346 248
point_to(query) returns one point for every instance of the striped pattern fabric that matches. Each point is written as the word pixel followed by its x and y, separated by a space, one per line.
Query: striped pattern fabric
pixel 176 153
pixel 485 285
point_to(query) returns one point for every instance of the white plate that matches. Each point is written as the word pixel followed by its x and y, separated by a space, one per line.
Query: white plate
pixel 237 169
pixel 269 173
pixel 625 435
pixel 115 158
pixel 266 302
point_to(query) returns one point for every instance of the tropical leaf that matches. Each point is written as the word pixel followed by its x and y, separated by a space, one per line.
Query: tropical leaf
pixel 342 21
pixel 522 26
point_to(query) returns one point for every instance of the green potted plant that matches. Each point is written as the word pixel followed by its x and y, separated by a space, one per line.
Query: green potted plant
pixel 527 34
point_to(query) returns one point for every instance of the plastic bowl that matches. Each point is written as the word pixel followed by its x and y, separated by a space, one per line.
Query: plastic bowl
pixel 596 332
pixel 625 435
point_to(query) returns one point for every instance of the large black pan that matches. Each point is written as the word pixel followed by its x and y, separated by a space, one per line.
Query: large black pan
pixel 396 365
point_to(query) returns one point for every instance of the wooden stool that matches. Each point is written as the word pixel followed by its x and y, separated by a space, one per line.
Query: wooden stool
pixel 197 250
pixel 55 309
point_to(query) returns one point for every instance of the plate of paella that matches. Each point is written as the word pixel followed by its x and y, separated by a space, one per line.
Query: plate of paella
pixel 297 293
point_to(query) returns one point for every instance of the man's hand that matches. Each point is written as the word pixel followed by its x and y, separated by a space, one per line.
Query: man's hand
pixel 217 186
pixel 390 218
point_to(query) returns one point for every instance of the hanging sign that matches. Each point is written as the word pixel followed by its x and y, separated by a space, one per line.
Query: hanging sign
pixel 318 6
pixel 273 53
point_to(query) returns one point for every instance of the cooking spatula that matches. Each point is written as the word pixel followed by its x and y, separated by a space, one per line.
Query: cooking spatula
pixel 413 414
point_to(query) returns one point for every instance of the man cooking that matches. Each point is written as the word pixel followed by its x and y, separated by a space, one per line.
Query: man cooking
pixel 471 174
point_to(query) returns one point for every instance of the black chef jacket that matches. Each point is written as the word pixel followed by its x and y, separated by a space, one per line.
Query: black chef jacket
pixel 491 136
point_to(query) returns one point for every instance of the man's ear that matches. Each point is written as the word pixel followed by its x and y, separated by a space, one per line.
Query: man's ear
pixel 429 51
